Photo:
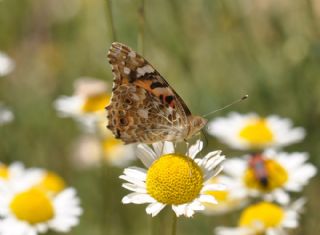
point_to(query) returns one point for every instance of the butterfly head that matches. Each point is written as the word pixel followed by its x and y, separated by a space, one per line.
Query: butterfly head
pixel 196 124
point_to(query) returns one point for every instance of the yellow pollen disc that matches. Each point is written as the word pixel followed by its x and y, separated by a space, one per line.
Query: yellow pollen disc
pixel 4 172
pixel 52 183
pixel 174 179
pixel 277 177
pixel 257 133
pixel 110 144
pixel 270 215
pixel 96 103
pixel 32 206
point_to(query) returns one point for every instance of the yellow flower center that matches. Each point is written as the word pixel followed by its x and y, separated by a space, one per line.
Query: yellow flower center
pixel 96 103
pixel 52 183
pixel 174 179
pixel 4 172
pixel 32 206
pixel 268 214
pixel 257 133
pixel 277 177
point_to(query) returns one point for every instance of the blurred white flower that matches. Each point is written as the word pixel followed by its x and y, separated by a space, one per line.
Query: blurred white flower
pixel 34 200
pixel 266 218
pixel 172 179
pixel 90 151
pixel 6 64
pixel 232 198
pixel 87 104
pixel 6 115
pixel 272 175
pixel 252 132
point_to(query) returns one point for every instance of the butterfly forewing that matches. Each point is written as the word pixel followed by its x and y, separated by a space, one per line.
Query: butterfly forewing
pixel 143 108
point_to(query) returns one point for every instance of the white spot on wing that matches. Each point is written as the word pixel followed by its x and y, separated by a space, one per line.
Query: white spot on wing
pixel 126 70
pixel 143 113
pixel 132 54
pixel 145 69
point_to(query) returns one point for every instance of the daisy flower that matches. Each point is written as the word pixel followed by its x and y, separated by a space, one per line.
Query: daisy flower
pixel 176 180
pixel 89 151
pixel 285 172
pixel 33 206
pixel 6 64
pixel 18 176
pixel 6 115
pixel 266 218
pixel 87 104
pixel 252 132
pixel 233 197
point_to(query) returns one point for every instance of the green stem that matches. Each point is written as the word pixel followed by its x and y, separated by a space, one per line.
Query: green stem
pixel 141 35
pixel 174 224
pixel 110 21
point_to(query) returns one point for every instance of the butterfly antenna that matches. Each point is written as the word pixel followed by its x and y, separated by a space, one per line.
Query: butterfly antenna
pixel 227 106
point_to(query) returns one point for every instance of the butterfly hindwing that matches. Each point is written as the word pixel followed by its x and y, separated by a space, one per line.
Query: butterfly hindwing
pixel 136 115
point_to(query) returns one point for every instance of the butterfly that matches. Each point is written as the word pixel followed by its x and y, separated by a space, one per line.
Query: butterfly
pixel 144 107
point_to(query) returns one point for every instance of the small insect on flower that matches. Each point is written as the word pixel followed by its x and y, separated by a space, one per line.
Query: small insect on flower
pixel 271 174
pixel 144 107
pixel 266 218
pixel 252 132
pixel 33 201
pixel 172 179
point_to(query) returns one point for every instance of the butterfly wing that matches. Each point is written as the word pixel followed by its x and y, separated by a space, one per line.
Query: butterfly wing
pixel 144 100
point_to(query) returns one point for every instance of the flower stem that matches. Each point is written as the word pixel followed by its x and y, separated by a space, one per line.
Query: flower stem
pixel 174 224
pixel 141 35
pixel 110 21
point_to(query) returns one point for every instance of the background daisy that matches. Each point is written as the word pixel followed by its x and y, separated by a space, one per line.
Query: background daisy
pixel 287 172
pixel 253 132
pixel 33 201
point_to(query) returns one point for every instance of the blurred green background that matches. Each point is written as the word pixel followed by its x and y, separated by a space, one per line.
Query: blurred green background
pixel 211 52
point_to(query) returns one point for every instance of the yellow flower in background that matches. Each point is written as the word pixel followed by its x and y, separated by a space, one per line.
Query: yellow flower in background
pixel 233 197
pixel 252 132
pixel 34 200
pixel 90 151
pixel 176 180
pixel 281 173
pixel 265 218
pixel 87 104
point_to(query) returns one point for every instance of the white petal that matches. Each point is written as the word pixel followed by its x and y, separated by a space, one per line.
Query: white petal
pixel 133 181
pixel 195 149
pixel 154 208
pixel 158 148
pixel 213 187
pixel 138 198
pixel 168 147
pixel 146 155
pixel 208 199
pixel 134 188
pixel 179 209
pixel 281 196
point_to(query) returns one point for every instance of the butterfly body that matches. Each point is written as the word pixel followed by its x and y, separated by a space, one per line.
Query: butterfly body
pixel 144 108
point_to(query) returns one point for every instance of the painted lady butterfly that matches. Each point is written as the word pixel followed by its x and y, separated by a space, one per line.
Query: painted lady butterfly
pixel 144 108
